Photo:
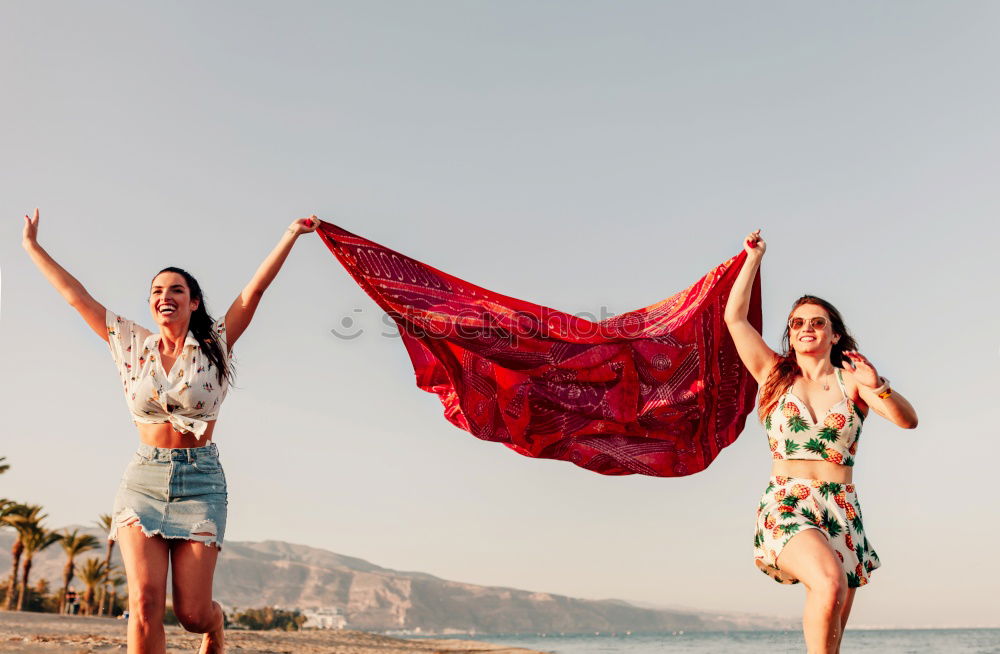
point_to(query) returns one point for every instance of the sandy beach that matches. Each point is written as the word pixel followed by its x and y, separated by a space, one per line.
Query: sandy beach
pixel 45 632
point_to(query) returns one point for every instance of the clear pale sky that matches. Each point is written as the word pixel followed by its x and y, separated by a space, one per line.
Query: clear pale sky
pixel 577 154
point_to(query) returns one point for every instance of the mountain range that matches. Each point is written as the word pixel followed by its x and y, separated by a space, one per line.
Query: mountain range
pixel 276 573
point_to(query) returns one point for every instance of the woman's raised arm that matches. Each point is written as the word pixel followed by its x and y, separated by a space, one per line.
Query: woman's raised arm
pixel 67 285
pixel 756 355
pixel 242 309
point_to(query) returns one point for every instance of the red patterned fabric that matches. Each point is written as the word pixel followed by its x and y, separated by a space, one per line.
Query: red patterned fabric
pixel 657 391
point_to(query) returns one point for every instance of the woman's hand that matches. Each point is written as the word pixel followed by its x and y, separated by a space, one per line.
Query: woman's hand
pixel 754 245
pixel 892 406
pixel 304 225
pixel 864 371
pixel 30 231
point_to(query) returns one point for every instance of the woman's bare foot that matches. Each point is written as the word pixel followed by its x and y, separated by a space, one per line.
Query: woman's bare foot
pixel 213 643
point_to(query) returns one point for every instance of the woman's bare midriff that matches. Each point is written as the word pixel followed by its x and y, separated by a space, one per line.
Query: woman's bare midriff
pixel 823 470
pixel 163 435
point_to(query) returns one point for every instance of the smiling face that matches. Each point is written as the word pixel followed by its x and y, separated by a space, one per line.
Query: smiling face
pixel 170 299
pixel 810 337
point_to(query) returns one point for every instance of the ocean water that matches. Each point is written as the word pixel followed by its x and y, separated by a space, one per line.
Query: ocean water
pixel 915 641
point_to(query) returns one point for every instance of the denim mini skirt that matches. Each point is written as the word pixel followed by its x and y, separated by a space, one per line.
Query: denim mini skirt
pixel 173 493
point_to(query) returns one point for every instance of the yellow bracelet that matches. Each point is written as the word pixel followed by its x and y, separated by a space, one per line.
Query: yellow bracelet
pixel 883 391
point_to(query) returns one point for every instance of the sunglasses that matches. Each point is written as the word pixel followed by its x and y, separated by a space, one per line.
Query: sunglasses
pixel 818 322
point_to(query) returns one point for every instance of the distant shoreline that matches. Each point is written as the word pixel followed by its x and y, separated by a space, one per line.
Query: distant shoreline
pixel 626 634
pixel 33 632
pixel 861 641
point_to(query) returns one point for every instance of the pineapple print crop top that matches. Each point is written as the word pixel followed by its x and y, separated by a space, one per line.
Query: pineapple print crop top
pixel 792 434
pixel 187 397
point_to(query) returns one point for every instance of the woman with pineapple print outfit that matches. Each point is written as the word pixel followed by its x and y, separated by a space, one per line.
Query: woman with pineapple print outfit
pixel 171 505
pixel 809 526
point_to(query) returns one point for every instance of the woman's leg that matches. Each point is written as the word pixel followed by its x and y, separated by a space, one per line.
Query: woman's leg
pixel 809 557
pixel 848 602
pixel 193 571
pixel 145 559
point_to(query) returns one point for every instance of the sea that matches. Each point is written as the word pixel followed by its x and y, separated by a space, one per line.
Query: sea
pixel 883 641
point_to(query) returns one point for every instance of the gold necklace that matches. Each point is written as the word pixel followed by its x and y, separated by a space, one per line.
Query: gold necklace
pixel 826 385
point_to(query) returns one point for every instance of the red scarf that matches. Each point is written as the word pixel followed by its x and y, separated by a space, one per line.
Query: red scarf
pixel 657 391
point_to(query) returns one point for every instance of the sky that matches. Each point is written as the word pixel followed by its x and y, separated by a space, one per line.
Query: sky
pixel 589 156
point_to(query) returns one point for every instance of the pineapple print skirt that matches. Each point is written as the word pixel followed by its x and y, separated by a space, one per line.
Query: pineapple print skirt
pixel 791 505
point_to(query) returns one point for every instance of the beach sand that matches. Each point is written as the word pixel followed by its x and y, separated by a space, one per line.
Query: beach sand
pixel 47 632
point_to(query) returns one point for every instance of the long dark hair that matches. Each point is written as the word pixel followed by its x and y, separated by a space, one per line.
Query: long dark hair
pixel 786 370
pixel 201 326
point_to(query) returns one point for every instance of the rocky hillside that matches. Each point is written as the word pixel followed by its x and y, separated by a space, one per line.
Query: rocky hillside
pixel 374 598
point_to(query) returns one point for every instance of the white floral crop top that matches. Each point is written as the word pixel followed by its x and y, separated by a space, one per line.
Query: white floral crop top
pixel 187 397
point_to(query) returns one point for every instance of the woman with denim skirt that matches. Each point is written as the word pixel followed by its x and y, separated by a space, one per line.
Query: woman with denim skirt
pixel 170 509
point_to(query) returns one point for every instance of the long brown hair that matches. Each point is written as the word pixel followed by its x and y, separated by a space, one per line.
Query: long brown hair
pixel 201 326
pixel 786 369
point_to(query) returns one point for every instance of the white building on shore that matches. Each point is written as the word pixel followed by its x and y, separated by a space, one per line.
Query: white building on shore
pixel 327 617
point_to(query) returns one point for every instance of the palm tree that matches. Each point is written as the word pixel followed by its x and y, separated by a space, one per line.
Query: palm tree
pixel 20 517
pixel 9 508
pixel 91 574
pixel 104 522
pixel 4 503
pixel 115 579
pixel 36 539
pixel 73 544
pixel 8 511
